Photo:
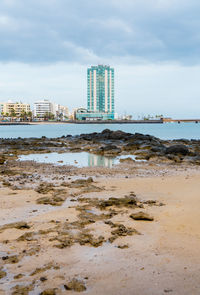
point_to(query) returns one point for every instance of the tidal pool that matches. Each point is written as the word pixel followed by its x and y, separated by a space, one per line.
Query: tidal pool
pixel 82 159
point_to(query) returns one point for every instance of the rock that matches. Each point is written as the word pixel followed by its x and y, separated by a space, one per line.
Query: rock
pixel 49 292
pixel 119 135
pixel 131 146
pixel 29 236
pixel 127 160
pixel 2 160
pixel 109 149
pixel 122 246
pixel 45 188
pixel 17 225
pixel 64 242
pixel 53 201
pixel 19 276
pixel 153 203
pixel 78 183
pixel 129 201
pixel 10 259
pixel 141 216
pixel 75 285
pixel 86 238
pixel 124 231
pixel 43 269
pixel 2 274
pixel 143 154
pixel 43 279
pixel 83 181
pixel 178 149
pixel 22 290
pixel 159 149
pixel 105 131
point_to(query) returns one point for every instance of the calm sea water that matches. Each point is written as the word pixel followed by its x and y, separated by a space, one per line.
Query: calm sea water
pixel 164 131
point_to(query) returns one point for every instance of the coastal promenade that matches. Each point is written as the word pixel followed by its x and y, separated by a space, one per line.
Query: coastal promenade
pixel 86 122
pixel 181 120
pixel 117 122
pixel 83 122
pixel 14 123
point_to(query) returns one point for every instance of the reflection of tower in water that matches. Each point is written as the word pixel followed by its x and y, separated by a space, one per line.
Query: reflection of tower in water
pixel 100 161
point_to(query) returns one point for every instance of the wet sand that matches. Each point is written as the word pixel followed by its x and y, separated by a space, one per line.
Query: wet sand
pixel 163 258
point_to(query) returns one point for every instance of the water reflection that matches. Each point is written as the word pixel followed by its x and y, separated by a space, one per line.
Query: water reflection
pixel 82 159
pixel 100 161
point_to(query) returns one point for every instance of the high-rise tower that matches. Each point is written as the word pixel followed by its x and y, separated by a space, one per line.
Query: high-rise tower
pixel 100 97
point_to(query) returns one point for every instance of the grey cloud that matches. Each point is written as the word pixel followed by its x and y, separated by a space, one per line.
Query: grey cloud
pixel 86 31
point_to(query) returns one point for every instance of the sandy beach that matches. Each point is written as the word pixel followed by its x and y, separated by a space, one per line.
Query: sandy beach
pixel 161 257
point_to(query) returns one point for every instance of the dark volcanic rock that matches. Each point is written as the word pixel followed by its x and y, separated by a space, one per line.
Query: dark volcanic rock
pixel 108 143
pixel 178 149
pixel 110 149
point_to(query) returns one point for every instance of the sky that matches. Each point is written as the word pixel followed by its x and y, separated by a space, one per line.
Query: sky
pixel 153 45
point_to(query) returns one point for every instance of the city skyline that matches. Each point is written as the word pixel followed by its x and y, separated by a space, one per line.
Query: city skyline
pixel 153 46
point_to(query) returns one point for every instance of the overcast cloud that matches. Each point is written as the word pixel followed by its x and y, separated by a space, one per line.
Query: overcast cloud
pixel 46 46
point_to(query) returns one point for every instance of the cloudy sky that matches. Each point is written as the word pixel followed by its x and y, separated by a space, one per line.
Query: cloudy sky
pixel 154 46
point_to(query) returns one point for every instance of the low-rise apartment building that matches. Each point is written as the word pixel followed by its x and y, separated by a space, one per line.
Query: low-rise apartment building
pixel 14 108
pixel 43 108
pixel 46 109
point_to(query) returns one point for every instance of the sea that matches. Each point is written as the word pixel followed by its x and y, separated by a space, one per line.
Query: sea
pixel 163 131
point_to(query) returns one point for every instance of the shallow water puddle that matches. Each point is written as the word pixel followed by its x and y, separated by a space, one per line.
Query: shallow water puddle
pixel 82 159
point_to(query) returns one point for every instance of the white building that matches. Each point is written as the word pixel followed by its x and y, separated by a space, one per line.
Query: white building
pixel 42 108
pixel 62 112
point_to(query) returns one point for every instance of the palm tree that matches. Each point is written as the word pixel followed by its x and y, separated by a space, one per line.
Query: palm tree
pixel 29 115
pixel 48 115
pixel 12 114
pixel 23 115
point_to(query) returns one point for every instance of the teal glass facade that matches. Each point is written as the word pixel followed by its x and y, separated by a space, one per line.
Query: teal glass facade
pixel 93 116
pixel 100 90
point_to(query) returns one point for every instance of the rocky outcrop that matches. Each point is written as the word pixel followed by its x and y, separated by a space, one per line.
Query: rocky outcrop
pixel 110 149
pixel 178 149
pixel 108 143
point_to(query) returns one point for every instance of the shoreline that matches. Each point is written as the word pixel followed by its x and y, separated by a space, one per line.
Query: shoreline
pixel 85 122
